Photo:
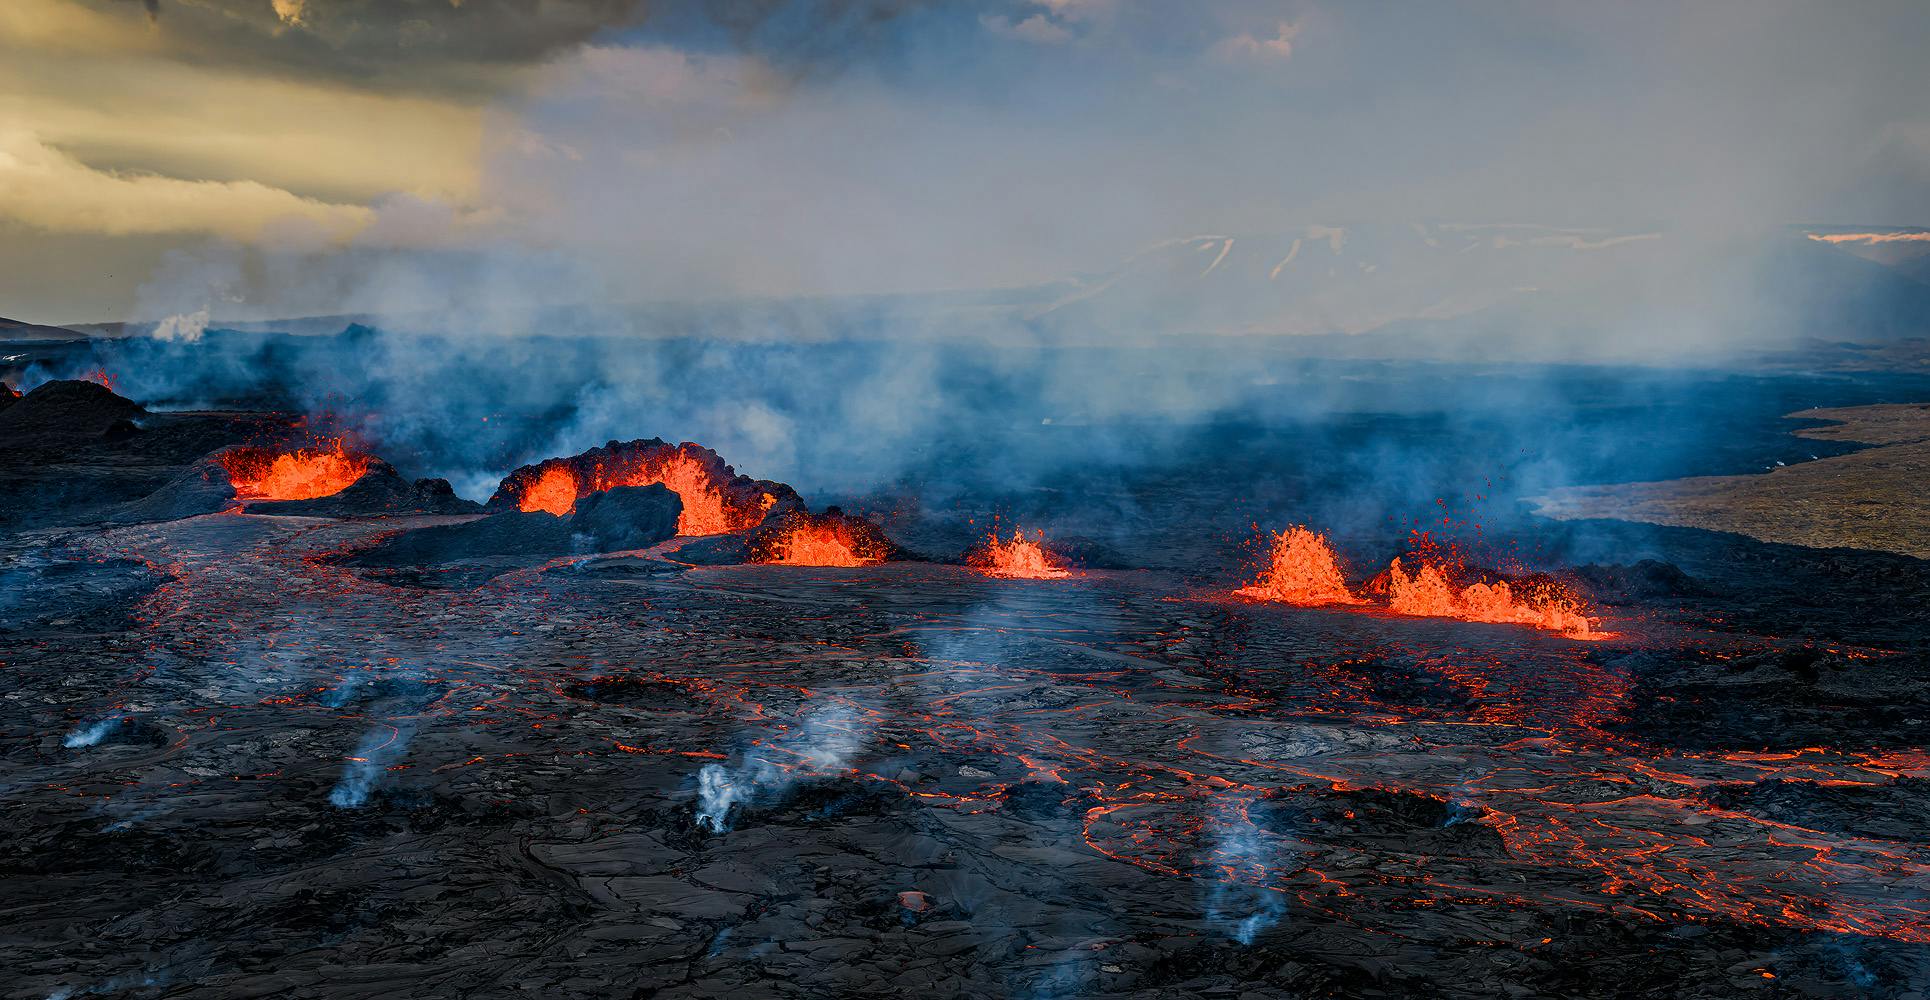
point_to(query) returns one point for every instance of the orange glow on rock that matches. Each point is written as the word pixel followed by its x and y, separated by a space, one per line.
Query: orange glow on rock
pixel 1021 558
pixel 1301 569
pixel 707 509
pixel 302 474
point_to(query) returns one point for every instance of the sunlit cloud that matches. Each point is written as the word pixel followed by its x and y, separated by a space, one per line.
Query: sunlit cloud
pixel 46 188
pixel 1248 46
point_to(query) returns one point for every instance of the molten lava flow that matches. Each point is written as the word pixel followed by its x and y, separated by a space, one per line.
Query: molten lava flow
pixel 707 509
pixel 1428 593
pixel 303 474
pixel 554 491
pixel 1021 558
pixel 821 541
pixel 1301 570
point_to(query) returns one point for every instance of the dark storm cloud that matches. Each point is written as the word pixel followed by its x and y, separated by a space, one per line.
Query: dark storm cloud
pixel 433 44
pixel 470 44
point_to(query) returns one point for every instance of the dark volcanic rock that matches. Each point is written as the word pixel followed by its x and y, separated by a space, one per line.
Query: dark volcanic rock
pixel 381 491
pixel 65 410
pixel 1777 699
pixel 1893 810
pixel 628 517
pixel 41 589
pixel 1377 819
pixel 1645 580
pixel 719 550
pixel 202 488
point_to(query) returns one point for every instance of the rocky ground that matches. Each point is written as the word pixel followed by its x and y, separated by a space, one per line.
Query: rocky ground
pixel 241 759
pixel 1874 498
pixel 236 768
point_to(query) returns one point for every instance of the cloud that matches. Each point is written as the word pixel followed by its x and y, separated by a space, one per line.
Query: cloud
pixel 1246 46
pixel 46 188
pixel 424 44
pixel 1038 28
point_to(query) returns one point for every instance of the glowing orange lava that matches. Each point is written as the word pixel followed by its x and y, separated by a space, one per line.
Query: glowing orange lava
pixel 707 510
pixel 1021 558
pixel 1301 570
pixel 1428 593
pixel 303 474
pixel 554 491
pixel 99 376
pixel 807 541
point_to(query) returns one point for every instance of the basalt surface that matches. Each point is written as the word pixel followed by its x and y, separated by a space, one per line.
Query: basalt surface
pixel 236 766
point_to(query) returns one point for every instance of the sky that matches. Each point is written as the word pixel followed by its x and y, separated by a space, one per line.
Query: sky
pixel 250 158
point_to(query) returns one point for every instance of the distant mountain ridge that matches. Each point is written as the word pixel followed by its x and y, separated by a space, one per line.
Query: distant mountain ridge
pixel 19 331
pixel 1323 279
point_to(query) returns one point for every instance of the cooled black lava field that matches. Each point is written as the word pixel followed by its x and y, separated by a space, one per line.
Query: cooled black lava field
pixel 242 758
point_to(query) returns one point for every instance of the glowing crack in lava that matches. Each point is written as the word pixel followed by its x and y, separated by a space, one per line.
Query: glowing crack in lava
pixel 1427 592
pixel 1021 558
pixel 302 474
pixel 830 540
pixel 707 510
pixel 1301 569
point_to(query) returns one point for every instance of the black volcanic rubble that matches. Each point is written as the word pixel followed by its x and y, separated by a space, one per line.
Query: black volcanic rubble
pixel 73 452
pixel 381 492
pixel 616 520
pixel 70 410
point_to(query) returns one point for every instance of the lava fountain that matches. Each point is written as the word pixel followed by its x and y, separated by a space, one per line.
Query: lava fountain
pixel 828 539
pixel 1021 558
pixel 1428 592
pixel 1301 569
pixel 301 474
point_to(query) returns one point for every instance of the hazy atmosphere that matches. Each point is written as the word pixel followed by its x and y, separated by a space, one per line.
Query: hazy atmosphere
pixel 261 159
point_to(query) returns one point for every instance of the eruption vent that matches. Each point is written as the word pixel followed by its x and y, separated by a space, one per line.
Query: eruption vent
pixel 1021 558
pixel 1301 569
pixel 554 491
pixel 302 474
pixel 716 500
pixel 1428 592
pixel 828 539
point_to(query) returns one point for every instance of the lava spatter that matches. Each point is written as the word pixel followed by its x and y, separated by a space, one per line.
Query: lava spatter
pixel 1019 558
pixel 1428 592
pixel 1301 568
pixel 259 473
pixel 828 539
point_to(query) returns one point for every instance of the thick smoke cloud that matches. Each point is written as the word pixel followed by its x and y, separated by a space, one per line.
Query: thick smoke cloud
pixel 677 213
pixel 812 149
